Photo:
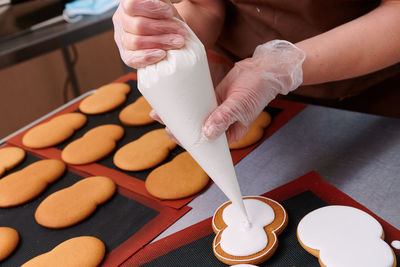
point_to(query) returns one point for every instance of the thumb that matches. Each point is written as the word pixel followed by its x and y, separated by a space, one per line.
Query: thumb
pixel 219 120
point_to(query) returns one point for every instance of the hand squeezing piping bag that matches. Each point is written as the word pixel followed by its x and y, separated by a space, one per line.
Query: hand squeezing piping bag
pixel 180 90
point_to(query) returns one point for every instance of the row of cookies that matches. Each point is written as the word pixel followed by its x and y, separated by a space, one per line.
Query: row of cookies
pixel 61 209
pixel 146 152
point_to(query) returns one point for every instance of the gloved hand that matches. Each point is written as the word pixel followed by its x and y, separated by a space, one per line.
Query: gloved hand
pixel 145 29
pixel 275 68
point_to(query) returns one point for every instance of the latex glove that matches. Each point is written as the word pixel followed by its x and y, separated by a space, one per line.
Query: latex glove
pixel 275 68
pixel 145 29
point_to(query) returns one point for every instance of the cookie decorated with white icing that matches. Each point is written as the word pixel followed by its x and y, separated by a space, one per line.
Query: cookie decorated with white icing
pixel 237 241
pixel 344 236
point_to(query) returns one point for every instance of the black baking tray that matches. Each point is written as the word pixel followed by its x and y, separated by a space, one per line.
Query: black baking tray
pixel 113 222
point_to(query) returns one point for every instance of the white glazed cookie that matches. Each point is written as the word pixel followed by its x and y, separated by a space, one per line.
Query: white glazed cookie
pixel 237 242
pixel 342 236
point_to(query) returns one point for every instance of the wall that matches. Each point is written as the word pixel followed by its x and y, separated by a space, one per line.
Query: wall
pixel 33 88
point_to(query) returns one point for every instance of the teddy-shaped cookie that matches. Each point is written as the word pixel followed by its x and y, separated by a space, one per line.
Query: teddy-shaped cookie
pixel 106 98
pixel 9 239
pixel 137 113
pixel 255 131
pixel 238 241
pixel 54 131
pixel 79 251
pixel 346 237
pixel 93 145
pixel 10 157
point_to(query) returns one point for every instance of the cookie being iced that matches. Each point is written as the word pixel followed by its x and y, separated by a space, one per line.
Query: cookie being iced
pixel 9 239
pixel 87 251
pixel 93 145
pixel 179 178
pixel 24 185
pixel 54 131
pixel 240 242
pixel 346 237
pixel 255 131
pixel 106 98
pixel 73 204
pixel 146 152
pixel 137 113
pixel 10 157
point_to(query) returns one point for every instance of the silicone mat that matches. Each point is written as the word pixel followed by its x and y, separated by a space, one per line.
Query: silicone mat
pixel 281 111
pixel 193 246
pixel 125 223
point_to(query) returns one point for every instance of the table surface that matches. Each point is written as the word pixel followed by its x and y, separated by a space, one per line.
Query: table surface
pixel 357 153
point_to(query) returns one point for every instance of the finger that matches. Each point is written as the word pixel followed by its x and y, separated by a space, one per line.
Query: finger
pixel 235 132
pixel 139 42
pixel 155 9
pixel 147 26
pixel 154 115
pixel 171 136
pixel 142 58
pixel 219 121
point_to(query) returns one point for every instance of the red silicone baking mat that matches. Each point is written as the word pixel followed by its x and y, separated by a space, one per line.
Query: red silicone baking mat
pixel 194 244
pixel 125 223
pixel 281 111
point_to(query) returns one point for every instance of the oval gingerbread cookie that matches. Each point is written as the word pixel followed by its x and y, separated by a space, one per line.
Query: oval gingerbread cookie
pixel 179 178
pixel 24 185
pixel 10 157
pixel 9 239
pixel 54 131
pixel 137 113
pixel 237 241
pixel 146 152
pixel 87 251
pixel 106 98
pixel 73 204
pixel 93 145
pixel 254 133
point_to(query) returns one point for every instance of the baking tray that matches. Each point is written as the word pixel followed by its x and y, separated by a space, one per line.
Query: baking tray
pixel 125 223
pixel 281 111
pixel 193 245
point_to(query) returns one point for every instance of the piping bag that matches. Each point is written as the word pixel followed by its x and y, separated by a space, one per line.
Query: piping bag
pixel 180 90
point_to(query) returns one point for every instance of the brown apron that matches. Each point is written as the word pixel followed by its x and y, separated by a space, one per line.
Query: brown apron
pixel 253 22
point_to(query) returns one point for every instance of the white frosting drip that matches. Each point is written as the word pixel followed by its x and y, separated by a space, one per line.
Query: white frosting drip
pixel 345 237
pixel 239 240
pixel 180 89
pixel 244 265
pixel 396 244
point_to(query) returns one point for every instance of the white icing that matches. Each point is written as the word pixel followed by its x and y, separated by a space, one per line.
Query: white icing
pixel 238 240
pixel 180 89
pixel 396 244
pixel 244 265
pixel 345 236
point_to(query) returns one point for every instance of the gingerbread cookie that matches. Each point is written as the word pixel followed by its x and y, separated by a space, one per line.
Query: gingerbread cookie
pixel 9 239
pixel 54 131
pixel 240 242
pixel 10 157
pixel 146 152
pixel 345 236
pixel 73 204
pixel 106 98
pixel 93 145
pixel 87 251
pixel 137 113
pixel 24 185
pixel 179 178
pixel 255 132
